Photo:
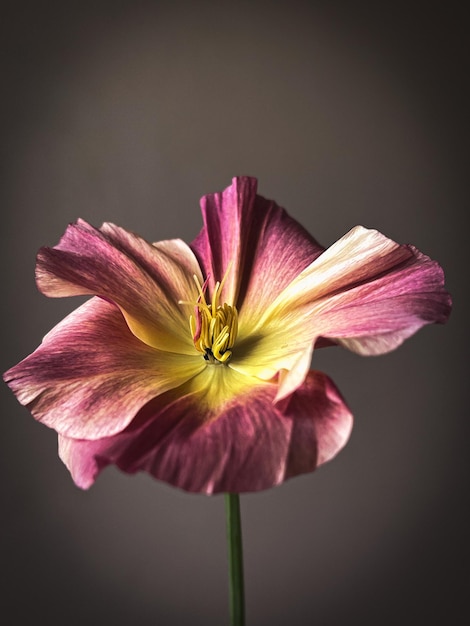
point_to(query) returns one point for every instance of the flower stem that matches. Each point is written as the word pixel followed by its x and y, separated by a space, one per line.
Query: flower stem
pixel 235 559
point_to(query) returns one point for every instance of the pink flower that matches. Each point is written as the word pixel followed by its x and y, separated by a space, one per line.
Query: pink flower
pixel 192 363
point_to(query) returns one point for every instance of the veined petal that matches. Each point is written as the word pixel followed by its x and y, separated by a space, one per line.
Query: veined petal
pixel 368 289
pixel 91 375
pixel 377 317
pixel 358 257
pixel 146 281
pixel 259 244
pixel 365 292
pixel 251 445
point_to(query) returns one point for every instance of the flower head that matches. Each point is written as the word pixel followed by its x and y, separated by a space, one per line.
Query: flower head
pixel 192 363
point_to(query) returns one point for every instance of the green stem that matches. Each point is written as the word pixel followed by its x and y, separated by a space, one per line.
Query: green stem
pixel 235 559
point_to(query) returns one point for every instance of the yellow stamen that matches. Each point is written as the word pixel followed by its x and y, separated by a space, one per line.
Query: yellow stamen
pixel 214 326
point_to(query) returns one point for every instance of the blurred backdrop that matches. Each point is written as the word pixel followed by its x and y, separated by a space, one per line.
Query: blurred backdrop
pixel 348 113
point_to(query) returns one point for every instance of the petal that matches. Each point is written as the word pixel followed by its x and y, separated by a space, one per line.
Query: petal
pixel 256 240
pixel 291 379
pixel 252 445
pixel 375 318
pixel 366 292
pixel 91 375
pixel 147 282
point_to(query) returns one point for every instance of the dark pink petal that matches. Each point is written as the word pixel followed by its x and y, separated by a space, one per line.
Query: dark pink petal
pixel 91 375
pixel 252 445
pixel 263 248
pixel 146 281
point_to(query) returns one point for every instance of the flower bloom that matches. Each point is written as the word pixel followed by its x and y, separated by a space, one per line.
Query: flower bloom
pixel 192 363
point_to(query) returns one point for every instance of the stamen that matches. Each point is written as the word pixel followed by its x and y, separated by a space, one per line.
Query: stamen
pixel 213 326
pixel 215 296
pixel 222 282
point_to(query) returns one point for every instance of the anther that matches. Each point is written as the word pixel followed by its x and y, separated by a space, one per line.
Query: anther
pixel 213 326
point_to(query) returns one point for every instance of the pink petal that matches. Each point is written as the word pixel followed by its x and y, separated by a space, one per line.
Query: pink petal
pixel 252 445
pixel 366 292
pixel 146 282
pixel 263 247
pixel 91 375
pixel 384 300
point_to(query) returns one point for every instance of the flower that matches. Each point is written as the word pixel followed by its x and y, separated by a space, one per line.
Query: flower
pixel 192 363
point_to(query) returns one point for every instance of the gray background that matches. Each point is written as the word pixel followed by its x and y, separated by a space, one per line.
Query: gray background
pixel 347 113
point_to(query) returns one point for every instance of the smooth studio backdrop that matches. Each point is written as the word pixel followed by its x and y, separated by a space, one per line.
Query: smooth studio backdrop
pixel 348 113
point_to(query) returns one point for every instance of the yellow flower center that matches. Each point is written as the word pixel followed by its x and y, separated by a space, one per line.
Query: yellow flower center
pixel 214 326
